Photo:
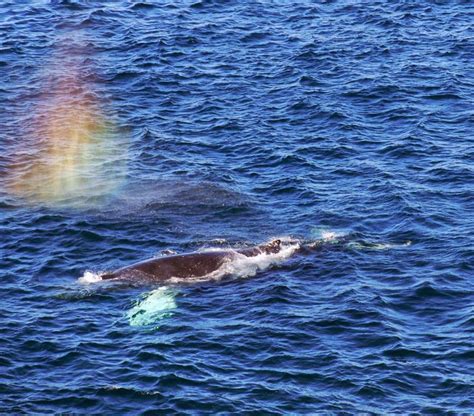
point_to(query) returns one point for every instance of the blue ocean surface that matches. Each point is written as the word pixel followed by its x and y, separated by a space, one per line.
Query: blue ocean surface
pixel 130 129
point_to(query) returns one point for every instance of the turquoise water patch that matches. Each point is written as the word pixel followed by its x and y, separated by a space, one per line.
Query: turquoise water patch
pixel 152 307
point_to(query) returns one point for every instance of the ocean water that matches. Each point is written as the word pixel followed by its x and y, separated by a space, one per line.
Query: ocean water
pixel 132 127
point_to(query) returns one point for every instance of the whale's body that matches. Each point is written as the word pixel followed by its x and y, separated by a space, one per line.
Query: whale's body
pixel 190 265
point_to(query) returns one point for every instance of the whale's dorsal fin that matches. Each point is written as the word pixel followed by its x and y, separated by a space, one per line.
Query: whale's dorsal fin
pixel 274 243
pixel 271 247
pixel 108 276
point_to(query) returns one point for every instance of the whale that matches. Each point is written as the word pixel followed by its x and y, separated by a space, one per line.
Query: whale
pixel 188 265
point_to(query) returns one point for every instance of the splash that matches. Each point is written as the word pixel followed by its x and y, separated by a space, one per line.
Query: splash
pixel 89 277
pixel 73 152
pixel 152 307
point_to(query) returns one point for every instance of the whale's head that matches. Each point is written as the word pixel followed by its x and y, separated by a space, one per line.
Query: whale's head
pixel 271 247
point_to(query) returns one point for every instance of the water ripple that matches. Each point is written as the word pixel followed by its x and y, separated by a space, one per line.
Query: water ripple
pixel 224 124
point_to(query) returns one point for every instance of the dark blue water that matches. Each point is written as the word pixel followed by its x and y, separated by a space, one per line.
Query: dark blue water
pixel 230 123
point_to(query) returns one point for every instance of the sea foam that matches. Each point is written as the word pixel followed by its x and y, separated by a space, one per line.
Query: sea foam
pixel 241 266
pixel 89 277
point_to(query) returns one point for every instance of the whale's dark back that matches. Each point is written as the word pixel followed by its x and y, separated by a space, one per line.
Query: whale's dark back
pixel 179 266
pixel 187 265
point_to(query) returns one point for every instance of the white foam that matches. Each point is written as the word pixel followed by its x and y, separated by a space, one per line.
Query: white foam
pixel 152 307
pixel 377 246
pixel 89 277
pixel 240 265
pixel 327 236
